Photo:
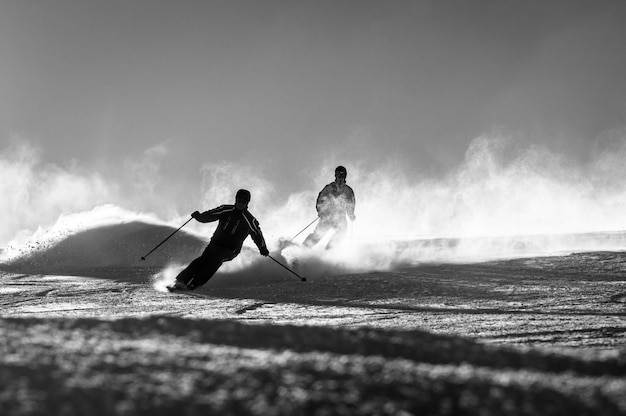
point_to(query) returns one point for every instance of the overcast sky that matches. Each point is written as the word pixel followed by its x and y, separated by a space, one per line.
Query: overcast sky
pixel 280 85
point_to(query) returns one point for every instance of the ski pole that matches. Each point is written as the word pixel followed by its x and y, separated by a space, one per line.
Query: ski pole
pixel 302 279
pixel 301 231
pixel 159 245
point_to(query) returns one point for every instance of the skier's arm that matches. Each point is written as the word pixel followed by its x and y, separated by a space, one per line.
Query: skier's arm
pixel 257 237
pixel 321 205
pixel 351 204
pixel 210 215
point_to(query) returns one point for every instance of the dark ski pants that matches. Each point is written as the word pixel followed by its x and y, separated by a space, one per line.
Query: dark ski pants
pixel 325 225
pixel 204 267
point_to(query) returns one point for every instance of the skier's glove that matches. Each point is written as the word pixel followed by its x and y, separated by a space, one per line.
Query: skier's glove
pixel 264 251
pixel 195 215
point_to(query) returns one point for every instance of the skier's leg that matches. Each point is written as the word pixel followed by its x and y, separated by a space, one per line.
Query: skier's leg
pixel 215 256
pixel 320 230
pixel 341 229
pixel 191 270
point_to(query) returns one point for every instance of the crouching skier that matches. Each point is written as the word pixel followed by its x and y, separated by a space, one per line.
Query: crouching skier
pixel 235 224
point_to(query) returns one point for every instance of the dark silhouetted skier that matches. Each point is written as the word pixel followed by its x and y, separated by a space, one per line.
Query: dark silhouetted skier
pixel 334 202
pixel 235 224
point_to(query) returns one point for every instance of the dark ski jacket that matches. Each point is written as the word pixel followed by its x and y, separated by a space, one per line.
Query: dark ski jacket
pixel 233 227
pixel 335 201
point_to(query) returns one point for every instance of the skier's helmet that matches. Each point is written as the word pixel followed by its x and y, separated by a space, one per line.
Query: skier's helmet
pixel 243 195
pixel 340 170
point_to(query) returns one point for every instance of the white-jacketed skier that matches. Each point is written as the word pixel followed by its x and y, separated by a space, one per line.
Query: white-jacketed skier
pixel 334 202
